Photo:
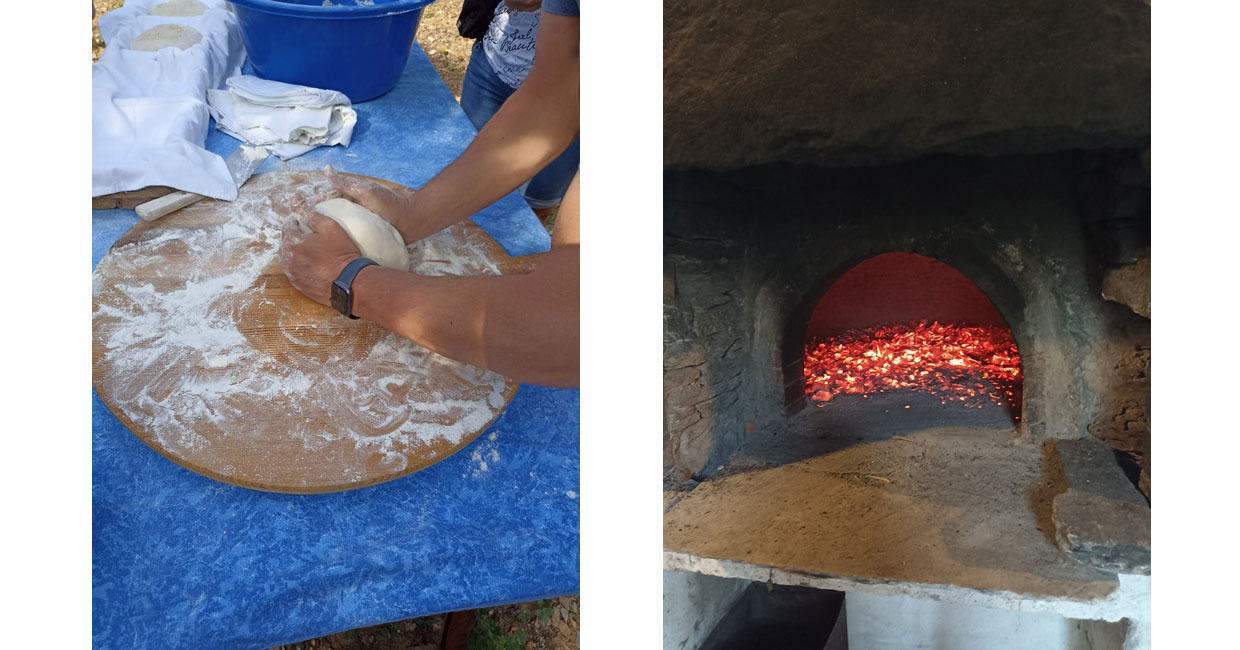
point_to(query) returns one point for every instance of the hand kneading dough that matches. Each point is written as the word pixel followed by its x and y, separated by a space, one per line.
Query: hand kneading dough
pixel 376 238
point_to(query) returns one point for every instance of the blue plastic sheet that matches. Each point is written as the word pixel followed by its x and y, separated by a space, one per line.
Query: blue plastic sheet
pixel 182 561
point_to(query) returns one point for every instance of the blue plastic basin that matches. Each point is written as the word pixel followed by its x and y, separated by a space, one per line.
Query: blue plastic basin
pixel 359 50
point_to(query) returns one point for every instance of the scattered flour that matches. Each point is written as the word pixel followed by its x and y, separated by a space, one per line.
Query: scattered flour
pixel 252 152
pixel 570 494
pixel 176 364
pixel 166 35
pixel 181 8
pixel 485 455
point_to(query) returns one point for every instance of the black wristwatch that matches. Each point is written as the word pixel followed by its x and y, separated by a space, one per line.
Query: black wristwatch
pixel 342 286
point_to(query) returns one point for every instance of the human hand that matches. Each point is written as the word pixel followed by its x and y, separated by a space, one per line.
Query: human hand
pixel 392 206
pixel 313 260
pixel 523 5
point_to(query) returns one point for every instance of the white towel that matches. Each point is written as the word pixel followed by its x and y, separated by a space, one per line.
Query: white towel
pixel 290 119
pixel 278 93
pixel 149 111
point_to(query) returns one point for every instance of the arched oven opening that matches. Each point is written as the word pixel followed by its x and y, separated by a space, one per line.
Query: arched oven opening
pixel 899 341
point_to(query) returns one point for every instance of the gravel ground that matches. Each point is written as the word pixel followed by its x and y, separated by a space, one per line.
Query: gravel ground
pixel 542 625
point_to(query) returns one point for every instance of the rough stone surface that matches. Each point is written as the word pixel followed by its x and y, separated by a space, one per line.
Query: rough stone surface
pixel 863 81
pixel 941 507
pixel 749 253
pixel 1122 419
pixel 675 486
pixel 1100 519
pixel 703 349
pixel 1130 285
pixel 1089 466
pixel 1109 534
pixel 1144 483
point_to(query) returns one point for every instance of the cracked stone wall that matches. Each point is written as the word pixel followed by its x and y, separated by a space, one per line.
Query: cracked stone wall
pixel 704 343
pixel 748 253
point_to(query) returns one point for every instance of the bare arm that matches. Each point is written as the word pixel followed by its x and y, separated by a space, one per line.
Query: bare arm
pixel 521 326
pixel 536 124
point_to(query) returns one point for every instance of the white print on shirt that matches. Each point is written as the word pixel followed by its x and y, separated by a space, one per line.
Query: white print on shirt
pixel 509 43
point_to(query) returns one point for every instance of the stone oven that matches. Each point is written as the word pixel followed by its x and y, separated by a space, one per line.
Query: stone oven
pixel 758 260
pixel 906 311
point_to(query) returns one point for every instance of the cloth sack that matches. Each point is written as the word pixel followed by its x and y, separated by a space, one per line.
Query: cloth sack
pixel 149 114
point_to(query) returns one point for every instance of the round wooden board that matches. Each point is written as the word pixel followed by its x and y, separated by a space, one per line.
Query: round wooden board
pixel 203 349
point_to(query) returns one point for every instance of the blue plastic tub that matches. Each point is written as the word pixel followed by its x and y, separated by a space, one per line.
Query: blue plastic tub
pixel 358 49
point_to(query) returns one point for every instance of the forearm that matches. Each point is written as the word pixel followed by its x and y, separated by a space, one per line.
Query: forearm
pixel 518 142
pixel 522 326
pixel 536 124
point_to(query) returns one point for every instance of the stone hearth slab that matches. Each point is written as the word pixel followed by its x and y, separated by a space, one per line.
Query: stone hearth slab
pixel 1100 519
pixel 951 513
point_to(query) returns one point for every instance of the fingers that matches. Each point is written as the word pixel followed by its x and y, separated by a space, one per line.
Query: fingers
pixel 290 237
pixel 321 225
pixel 291 234
pixel 339 183
pixel 308 221
pixel 303 212
pixel 350 188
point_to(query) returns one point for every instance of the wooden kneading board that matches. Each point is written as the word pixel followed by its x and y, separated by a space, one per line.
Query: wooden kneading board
pixel 205 351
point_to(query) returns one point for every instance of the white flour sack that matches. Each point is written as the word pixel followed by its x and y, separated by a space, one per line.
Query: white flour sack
pixel 149 114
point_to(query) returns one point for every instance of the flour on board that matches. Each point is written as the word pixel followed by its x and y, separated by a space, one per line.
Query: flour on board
pixel 176 362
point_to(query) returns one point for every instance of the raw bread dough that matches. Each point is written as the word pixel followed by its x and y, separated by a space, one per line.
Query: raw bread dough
pixel 166 35
pixel 182 8
pixel 377 239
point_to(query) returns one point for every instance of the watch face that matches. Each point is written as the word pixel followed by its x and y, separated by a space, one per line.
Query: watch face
pixel 340 298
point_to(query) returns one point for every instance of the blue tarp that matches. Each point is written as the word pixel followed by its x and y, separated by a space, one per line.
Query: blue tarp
pixel 182 561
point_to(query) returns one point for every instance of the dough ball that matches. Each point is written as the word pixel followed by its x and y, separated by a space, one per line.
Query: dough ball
pixel 182 8
pixel 168 35
pixel 375 237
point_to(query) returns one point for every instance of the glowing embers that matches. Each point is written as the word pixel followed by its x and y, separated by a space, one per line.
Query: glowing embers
pixel 964 365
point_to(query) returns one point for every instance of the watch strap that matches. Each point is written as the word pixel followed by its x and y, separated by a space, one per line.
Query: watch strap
pixel 342 286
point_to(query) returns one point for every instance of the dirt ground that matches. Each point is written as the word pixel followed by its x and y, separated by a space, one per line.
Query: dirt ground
pixel 542 625
pixel 436 34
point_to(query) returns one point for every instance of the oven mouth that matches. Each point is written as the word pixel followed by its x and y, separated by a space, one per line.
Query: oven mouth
pixel 909 332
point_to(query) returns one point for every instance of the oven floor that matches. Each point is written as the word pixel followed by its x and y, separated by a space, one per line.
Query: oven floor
pixel 962 508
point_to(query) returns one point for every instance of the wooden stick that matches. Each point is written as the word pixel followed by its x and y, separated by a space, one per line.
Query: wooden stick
pixel 154 209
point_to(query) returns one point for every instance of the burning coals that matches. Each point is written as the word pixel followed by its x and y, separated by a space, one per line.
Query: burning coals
pixel 959 364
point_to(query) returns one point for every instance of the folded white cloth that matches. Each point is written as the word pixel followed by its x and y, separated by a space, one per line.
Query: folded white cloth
pixel 290 119
pixel 278 93
pixel 149 114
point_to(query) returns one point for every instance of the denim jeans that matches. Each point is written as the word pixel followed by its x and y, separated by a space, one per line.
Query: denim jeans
pixel 482 93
